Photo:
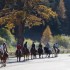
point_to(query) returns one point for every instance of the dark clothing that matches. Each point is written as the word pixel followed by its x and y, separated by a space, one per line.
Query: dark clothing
pixel 33 45
pixel 25 45
pixel 40 50
pixel 33 50
pixel 18 55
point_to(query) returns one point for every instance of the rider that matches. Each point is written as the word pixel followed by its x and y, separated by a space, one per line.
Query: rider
pixel 48 46
pixel 1 48
pixel 4 54
pixel 19 47
pixel 40 50
pixel 19 52
pixel 25 45
pixel 55 47
pixel 33 50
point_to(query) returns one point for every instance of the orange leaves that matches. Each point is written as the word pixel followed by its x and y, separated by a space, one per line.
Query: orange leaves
pixel 45 12
pixel 47 35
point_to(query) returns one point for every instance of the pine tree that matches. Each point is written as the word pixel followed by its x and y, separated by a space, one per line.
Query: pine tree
pixel 47 35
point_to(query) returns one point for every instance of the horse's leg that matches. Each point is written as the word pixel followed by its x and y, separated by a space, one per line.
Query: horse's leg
pixel 46 55
pixel 19 58
pixel 42 55
pixel 31 56
pixel 49 55
pixel 4 62
pixel 28 56
pixel 35 56
pixel 55 52
pixel 24 57
pixel 39 56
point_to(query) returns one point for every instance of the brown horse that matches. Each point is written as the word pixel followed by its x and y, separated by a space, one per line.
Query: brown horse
pixel 40 52
pixel 33 52
pixel 18 55
pixel 3 57
pixel 26 53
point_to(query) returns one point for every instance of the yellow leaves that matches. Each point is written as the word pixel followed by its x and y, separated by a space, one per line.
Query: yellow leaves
pixel 44 15
pixel 1 21
pixel 19 14
pixel 41 7
pixel 33 20
pixel 45 12
pixel 47 35
pixel 10 25
pixel 47 31
pixel 31 3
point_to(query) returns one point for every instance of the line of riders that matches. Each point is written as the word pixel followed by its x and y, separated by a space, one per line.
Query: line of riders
pixel 24 51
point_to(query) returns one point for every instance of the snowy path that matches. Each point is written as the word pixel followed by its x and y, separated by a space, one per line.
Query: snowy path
pixel 59 63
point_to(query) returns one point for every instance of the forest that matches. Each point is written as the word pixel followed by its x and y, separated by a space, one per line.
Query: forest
pixel 35 20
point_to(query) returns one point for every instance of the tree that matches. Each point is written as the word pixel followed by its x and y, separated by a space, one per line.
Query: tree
pixel 47 35
pixel 29 14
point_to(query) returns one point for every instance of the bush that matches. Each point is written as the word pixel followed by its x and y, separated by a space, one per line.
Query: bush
pixel 62 40
pixel 6 34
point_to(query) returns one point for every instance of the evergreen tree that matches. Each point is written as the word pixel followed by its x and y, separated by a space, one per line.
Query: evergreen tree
pixel 47 35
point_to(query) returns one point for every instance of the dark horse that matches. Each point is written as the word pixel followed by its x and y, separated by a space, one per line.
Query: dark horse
pixel 25 52
pixel 40 51
pixel 18 54
pixel 3 57
pixel 47 51
pixel 33 52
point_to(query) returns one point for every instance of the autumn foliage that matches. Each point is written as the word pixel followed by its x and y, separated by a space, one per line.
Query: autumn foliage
pixel 47 35
pixel 14 17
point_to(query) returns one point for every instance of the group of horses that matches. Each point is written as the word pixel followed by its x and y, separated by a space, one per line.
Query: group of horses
pixel 25 52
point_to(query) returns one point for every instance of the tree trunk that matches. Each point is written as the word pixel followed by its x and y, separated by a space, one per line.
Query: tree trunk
pixel 20 36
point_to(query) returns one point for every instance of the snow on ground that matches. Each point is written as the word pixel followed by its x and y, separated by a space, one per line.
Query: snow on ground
pixel 62 62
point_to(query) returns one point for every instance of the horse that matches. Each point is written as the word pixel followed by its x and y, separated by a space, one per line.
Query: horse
pixel 40 52
pixel 33 52
pixel 56 51
pixel 18 54
pixel 47 51
pixel 26 53
pixel 3 57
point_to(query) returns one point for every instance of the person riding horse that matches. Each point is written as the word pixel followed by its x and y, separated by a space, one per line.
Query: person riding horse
pixel 18 52
pixel 47 50
pixel 25 51
pixel 4 54
pixel 56 49
pixel 40 50
pixel 33 51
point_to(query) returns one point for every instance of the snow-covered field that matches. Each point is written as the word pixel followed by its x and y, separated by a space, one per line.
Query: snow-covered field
pixel 62 62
